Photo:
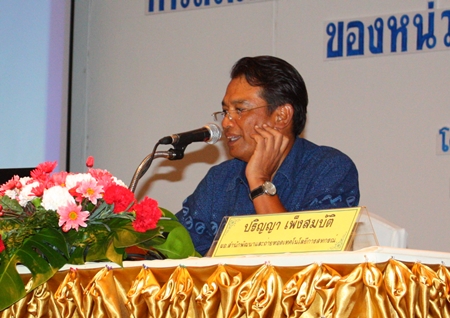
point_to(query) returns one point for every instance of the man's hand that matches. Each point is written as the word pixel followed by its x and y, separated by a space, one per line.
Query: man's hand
pixel 270 151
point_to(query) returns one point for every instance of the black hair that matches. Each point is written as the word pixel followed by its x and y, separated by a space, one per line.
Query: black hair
pixel 280 84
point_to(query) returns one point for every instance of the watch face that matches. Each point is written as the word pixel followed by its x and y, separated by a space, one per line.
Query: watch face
pixel 269 188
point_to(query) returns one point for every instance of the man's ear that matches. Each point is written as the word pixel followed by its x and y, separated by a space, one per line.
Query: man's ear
pixel 283 116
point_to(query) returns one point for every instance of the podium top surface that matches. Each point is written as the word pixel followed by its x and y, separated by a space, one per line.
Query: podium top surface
pixel 374 254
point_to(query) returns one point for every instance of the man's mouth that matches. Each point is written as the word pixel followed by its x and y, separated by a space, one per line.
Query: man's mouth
pixel 233 138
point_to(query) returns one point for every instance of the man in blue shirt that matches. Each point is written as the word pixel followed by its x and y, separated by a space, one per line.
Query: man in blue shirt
pixel 273 170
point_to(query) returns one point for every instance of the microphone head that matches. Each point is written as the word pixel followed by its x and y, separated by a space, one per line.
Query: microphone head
pixel 216 133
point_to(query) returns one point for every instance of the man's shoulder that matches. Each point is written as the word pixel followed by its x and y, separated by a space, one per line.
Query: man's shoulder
pixel 311 151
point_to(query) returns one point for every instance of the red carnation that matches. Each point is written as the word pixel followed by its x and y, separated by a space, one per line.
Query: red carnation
pixel 2 245
pixel 121 197
pixel 147 215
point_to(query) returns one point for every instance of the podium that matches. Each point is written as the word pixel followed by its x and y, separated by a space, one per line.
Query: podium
pixel 371 282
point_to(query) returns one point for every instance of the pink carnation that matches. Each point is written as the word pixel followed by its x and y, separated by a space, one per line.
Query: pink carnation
pixel 147 215
pixel 103 177
pixel 59 178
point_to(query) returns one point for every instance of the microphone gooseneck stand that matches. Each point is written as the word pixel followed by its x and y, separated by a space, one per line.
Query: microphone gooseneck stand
pixel 175 153
pixel 210 133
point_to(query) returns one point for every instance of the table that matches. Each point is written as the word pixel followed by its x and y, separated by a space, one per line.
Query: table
pixel 372 282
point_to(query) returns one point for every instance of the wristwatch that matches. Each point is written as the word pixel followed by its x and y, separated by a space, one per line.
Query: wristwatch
pixel 266 188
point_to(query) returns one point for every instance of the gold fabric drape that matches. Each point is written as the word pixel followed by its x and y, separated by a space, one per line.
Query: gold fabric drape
pixel 389 289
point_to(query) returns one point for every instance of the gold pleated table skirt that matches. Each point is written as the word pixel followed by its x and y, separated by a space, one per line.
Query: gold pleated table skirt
pixel 374 282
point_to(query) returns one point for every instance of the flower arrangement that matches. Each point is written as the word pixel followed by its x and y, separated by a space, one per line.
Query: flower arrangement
pixel 51 219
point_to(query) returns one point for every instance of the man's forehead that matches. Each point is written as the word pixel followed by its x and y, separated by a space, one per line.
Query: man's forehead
pixel 237 102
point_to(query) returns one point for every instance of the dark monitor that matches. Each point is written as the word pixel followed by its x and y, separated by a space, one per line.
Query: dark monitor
pixel 7 174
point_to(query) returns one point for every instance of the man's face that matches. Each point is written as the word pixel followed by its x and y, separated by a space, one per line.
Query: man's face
pixel 240 95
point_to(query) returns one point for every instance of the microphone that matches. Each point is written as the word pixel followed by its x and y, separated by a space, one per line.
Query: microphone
pixel 209 133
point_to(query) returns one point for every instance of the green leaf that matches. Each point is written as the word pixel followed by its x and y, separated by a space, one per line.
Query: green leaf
pixel 126 236
pixel 102 210
pixel 13 288
pixel 178 244
pixel 77 256
pixel 96 252
pixel 115 255
pixel 149 244
pixel 11 204
pixel 43 254
pixel 169 225
pixel 168 214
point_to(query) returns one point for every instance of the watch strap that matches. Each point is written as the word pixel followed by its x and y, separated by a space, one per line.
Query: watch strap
pixel 256 192
pixel 266 188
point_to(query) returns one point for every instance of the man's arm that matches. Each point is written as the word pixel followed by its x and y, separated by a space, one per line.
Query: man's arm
pixel 334 184
pixel 271 149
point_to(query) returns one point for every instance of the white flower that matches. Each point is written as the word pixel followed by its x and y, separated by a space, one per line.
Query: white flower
pixel 11 193
pixel 119 182
pixel 25 194
pixel 56 197
pixel 73 179
pixel 24 180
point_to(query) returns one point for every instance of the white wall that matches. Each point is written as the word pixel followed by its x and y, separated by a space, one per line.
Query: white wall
pixel 140 77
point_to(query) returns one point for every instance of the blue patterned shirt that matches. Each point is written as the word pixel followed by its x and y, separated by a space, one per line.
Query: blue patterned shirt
pixel 311 177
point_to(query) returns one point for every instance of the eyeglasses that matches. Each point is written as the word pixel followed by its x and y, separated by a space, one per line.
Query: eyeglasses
pixel 219 116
